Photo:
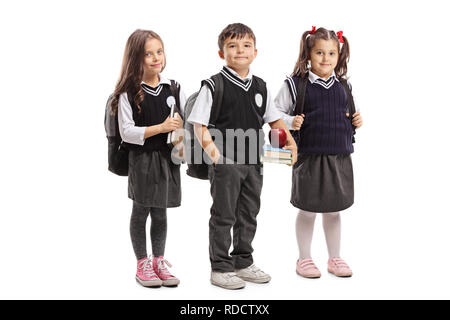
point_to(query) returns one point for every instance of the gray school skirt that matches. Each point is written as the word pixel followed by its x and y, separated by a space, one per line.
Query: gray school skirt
pixel 322 183
pixel 153 179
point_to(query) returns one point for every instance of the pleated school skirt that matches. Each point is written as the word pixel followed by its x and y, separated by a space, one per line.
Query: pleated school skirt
pixel 322 183
pixel 153 179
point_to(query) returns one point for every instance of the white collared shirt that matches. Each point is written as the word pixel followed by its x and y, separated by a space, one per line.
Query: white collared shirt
pixel 248 77
pixel 128 130
pixel 201 110
pixel 283 100
pixel 314 78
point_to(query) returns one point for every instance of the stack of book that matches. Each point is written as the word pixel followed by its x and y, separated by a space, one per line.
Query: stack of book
pixel 276 155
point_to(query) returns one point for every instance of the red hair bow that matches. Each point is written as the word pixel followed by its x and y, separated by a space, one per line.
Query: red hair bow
pixel 313 30
pixel 339 34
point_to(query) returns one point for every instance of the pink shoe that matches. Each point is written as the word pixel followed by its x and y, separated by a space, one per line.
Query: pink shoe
pixel 306 268
pixel 168 280
pixel 145 274
pixel 339 268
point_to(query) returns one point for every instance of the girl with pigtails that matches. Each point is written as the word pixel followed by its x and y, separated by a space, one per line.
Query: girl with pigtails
pixel 317 103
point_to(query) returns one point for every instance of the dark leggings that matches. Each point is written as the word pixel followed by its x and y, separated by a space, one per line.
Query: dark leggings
pixel 158 230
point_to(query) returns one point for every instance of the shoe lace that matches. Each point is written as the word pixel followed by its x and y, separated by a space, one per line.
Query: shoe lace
pixel 230 274
pixel 147 268
pixel 254 268
pixel 162 268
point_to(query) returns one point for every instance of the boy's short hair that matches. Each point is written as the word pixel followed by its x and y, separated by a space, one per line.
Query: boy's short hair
pixel 235 30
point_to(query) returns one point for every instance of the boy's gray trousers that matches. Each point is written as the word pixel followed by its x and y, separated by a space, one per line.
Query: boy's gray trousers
pixel 236 191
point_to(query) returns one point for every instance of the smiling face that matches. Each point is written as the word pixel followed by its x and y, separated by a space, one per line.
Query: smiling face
pixel 324 57
pixel 239 53
pixel 154 58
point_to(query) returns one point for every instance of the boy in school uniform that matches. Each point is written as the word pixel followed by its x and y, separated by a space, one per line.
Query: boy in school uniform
pixel 236 172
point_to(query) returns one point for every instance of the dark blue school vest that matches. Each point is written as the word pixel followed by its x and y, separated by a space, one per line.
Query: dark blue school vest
pixel 326 129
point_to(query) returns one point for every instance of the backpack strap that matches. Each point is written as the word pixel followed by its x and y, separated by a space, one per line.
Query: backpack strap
pixel 298 96
pixel 175 89
pixel 131 100
pixel 350 103
pixel 216 86
pixel 301 93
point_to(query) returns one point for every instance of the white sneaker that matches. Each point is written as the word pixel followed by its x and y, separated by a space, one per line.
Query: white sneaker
pixel 226 280
pixel 253 274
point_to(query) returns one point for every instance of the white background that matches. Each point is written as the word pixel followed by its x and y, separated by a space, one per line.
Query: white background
pixel 64 224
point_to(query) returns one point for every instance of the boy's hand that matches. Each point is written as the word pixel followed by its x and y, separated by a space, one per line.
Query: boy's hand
pixel 290 143
pixel 357 120
pixel 212 152
pixel 215 156
pixel 293 149
pixel 204 138
pixel 298 121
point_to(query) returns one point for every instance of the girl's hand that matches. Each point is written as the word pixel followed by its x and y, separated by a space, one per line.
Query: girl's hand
pixel 357 120
pixel 171 124
pixel 298 121
pixel 181 120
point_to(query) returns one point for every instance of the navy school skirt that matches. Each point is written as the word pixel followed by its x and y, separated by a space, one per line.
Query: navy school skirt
pixel 153 179
pixel 322 183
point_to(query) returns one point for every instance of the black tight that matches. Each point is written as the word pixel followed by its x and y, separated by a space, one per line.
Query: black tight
pixel 158 230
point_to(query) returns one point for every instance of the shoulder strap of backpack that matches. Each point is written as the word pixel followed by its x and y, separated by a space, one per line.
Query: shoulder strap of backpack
pixel 130 99
pixel 301 92
pixel 217 99
pixel 175 89
pixel 350 103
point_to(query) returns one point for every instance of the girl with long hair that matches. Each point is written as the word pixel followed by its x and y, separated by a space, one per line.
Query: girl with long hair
pixel 143 98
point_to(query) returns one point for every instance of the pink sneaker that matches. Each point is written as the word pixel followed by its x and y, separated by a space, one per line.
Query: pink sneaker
pixel 306 268
pixel 339 268
pixel 168 280
pixel 145 274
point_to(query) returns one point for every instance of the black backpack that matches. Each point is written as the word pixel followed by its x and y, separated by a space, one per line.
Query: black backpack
pixel 300 103
pixel 117 148
pixel 117 151
pixel 200 170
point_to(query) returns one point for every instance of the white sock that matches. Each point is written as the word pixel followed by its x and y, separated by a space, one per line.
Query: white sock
pixel 304 227
pixel 332 228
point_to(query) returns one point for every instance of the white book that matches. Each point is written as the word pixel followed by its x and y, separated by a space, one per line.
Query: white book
pixel 276 160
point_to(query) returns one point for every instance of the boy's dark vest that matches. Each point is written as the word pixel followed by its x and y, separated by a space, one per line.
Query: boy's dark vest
pixel 326 129
pixel 243 107
pixel 154 110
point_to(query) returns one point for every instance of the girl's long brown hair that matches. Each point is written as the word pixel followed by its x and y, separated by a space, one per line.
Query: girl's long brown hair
pixel 132 68
pixel 307 43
